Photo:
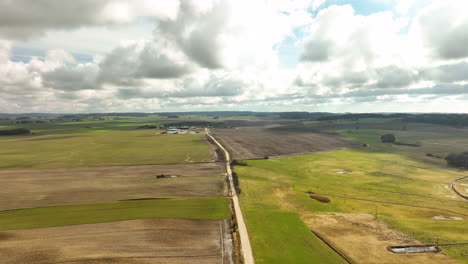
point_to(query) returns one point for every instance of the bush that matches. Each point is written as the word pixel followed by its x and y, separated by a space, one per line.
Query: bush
pixel 458 160
pixel 320 198
pixel 388 138
pixel 238 163
pixel 13 132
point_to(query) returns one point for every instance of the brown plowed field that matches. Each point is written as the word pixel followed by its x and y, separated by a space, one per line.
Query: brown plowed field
pixel 49 187
pixel 172 241
pixel 258 142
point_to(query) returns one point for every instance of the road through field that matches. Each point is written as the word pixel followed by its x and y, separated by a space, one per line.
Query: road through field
pixel 244 236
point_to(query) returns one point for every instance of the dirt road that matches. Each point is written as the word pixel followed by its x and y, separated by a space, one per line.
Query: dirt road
pixel 244 236
pixel 452 186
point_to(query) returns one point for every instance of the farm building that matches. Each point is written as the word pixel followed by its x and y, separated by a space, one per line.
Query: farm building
pixel 172 131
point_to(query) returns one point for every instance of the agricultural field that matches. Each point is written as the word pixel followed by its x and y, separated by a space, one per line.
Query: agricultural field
pixel 260 142
pixel 51 187
pixel 41 217
pixel 393 195
pixel 131 147
pixel 109 191
pixel 147 241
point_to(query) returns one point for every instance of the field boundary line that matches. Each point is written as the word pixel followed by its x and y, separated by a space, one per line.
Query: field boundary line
pixel 332 247
pixel 105 166
pixel 402 193
pixel 115 202
pixel 400 204
pixel 307 153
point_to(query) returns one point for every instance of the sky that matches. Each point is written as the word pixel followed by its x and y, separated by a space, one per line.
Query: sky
pixel 226 55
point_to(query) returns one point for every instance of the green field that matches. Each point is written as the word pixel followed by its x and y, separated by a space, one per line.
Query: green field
pixel 281 237
pixel 207 208
pixel 392 182
pixel 130 147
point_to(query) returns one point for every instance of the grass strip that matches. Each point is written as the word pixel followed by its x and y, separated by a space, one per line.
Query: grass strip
pixel 206 208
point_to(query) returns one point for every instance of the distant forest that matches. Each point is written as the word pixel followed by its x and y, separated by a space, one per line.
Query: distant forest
pixel 459 120
pixel 358 116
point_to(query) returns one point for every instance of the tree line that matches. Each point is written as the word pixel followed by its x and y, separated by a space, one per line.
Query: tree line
pixel 358 116
pixel 459 120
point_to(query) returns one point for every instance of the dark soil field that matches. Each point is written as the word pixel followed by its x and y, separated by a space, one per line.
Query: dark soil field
pixel 258 142
pixel 50 187
pixel 172 241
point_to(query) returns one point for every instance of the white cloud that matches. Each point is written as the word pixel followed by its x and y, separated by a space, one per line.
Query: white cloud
pixel 224 54
pixel 21 19
pixel 443 27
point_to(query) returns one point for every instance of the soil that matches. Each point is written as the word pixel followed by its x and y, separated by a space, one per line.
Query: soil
pixel 49 187
pixel 362 239
pixel 172 241
pixel 261 142
pixel 320 198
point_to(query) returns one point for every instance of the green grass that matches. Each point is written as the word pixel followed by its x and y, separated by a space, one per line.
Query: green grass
pixel 208 208
pixel 106 148
pixel 87 126
pixel 383 173
pixel 285 239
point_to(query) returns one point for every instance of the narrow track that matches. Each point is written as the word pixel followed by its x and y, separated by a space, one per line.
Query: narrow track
pixel 399 204
pixel 452 186
pixel 344 257
pixel 246 248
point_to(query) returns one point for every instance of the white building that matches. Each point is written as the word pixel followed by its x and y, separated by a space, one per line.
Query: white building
pixel 172 131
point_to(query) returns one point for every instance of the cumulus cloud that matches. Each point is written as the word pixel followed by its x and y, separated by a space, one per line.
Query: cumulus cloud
pixel 443 27
pixel 339 34
pixel 225 54
pixel 23 78
pixel 447 73
pixel 221 33
pixel 147 59
pixel 210 85
pixel 21 19
pixel 81 77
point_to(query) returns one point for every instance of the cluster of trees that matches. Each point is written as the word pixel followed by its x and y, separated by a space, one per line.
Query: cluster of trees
pixel 95 115
pixel 148 127
pixel 459 120
pixel 14 132
pixel 300 115
pixel 458 160
pixel 388 138
pixel 31 121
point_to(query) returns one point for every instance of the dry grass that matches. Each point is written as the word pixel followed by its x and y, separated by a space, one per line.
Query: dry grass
pixel 364 240
pixel 172 241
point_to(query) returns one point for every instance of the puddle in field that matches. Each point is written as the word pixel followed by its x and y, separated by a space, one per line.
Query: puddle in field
pixel 438 217
pixel 343 171
pixel 414 249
